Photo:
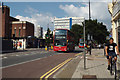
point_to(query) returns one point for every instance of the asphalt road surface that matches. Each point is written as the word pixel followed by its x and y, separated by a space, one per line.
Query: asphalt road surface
pixel 33 65
pixel 18 58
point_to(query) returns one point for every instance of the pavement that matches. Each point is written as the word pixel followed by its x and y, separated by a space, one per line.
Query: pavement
pixel 96 67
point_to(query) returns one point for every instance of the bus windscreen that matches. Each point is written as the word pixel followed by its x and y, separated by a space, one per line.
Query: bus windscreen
pixel 61 32
pixel 60 42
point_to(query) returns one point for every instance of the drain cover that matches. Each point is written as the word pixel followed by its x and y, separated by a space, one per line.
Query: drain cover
pixel 89 77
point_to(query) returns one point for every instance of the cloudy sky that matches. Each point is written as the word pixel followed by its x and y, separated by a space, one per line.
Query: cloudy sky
pixel 43 13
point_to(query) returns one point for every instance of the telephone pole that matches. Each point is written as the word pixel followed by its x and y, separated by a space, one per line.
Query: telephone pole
pixel 89 22
pixel 89 11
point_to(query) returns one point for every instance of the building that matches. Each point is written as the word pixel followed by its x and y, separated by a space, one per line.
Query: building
pixel 13 31
pixel 39 32
pixel 11 24
pixel 22 29
pixel 114 9
pixel 5 19
pixel 66 23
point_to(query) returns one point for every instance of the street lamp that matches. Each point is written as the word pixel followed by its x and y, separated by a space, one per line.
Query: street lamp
pixel 84 44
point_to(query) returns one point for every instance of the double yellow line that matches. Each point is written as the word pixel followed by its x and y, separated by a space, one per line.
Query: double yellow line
pixel 49 73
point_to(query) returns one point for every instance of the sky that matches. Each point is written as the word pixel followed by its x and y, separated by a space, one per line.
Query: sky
pixel 43 13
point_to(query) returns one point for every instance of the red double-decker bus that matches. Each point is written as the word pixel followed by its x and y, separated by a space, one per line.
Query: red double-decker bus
pixel 63 40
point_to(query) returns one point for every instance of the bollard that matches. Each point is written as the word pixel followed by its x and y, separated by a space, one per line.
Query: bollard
pixel 45 48
pixel 51 47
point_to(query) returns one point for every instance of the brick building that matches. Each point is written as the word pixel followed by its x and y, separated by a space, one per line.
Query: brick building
pixel 11 25
pixel 4 18
pixel 22 29
pixel 10 28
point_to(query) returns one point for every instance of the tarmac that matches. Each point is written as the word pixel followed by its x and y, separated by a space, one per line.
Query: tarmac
pixel 96 67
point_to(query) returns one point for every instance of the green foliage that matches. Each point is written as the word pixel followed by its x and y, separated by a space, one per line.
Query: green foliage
pixel 49 36
pixel 78 31
pixel 97 30
pixel 94 28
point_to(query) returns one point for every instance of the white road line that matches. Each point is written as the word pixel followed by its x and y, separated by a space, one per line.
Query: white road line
pixel 17 55
pixel 4 57
pixel 22 63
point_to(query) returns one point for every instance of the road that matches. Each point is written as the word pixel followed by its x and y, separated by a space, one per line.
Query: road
pixel 14 59
pixel 34 64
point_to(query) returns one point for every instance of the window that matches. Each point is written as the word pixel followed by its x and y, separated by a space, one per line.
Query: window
pixel 19 32
pixel 60 32
pixel 15 32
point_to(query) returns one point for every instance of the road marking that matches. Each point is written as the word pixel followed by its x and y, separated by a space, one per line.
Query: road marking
pixel 53 70
pixel 17 55
pixel 22 63
pixel 78 54
pixel 57 69
pixel 4 57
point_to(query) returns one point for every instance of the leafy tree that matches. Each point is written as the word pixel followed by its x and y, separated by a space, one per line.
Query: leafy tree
pixel 49 37
pixel 94 28
pixel 78 31
pixel 97 30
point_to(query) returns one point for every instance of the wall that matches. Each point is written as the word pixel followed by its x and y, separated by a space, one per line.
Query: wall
pixel 7 45
pixel 5 22
pixel 18 26
pixel 0 22
pixel 29 29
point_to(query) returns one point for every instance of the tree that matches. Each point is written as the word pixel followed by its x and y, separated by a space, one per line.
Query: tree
pixel 94 28
pixel 78 32
pixel 49 37
pixel 97 30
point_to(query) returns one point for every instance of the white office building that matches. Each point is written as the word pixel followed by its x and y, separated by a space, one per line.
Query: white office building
pixel 67 22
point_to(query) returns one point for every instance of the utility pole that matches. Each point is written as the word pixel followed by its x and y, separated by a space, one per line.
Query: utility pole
pixel 89 11
pixel 89 22
pixel 84 45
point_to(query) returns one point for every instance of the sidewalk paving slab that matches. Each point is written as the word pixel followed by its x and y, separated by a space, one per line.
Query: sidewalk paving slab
pixel 96 64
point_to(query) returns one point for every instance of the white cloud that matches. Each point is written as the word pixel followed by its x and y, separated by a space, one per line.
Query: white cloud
pixel 99 10
pixel 38 19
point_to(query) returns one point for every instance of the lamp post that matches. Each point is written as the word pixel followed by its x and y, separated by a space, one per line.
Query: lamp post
pixel 90 33
pixel 84 44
